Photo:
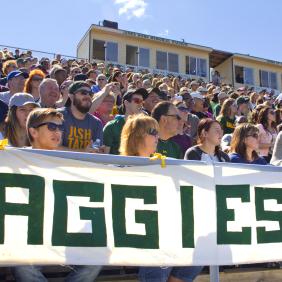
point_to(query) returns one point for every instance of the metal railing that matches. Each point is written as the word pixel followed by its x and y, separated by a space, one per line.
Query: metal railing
pixel 40 54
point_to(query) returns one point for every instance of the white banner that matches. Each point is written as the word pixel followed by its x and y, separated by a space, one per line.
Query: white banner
pixel 60 211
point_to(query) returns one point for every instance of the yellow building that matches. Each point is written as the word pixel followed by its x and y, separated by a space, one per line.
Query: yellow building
pixel 109 44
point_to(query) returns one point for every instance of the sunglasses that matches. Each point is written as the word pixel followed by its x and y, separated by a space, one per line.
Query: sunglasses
pixel 254 135
pixel 84 92
pixel 51 126
pixel 176 116
pixel 37 78
pixel 272 113
pixel 137 100
pixel 101 79
pixel 183 109
pixel 153 132
pixel 76 72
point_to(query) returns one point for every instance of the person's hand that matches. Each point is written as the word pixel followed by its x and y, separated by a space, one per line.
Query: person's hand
pixel 90 149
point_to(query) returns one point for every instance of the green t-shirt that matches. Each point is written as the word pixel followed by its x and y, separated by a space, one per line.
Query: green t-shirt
pixel 112 134
pixel 169 148
pixel 227 124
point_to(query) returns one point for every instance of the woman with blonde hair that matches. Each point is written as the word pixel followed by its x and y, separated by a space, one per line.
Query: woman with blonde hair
pixel 244 145
pixel 139 136
pixel 32 83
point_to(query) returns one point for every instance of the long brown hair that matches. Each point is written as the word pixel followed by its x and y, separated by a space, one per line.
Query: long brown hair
pixel 238 139
pixel 12 127
pixel 226 107
pixel 205 124
pixel 262 118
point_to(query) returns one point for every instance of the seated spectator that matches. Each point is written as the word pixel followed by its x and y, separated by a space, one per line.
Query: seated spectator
pixel 227 116
pixel 182 139
pixel 209 138
pixel 81 129
pixel 222 96
pixel 15 80
pixel 244 145
pixel 131 104
pixel 33 82
pixel 139 136
pixel 243 106
pixel 151 100
pixel 49 93
pixel 198 106
pixel 101 82
pixel 8 66
pixel 20 106
pixel 104 111
pixel 166 114
pixel 267 132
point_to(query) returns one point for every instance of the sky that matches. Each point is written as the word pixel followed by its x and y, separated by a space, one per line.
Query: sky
pixel 248 27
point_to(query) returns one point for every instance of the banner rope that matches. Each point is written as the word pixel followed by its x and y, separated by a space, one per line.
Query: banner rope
pixel 158 156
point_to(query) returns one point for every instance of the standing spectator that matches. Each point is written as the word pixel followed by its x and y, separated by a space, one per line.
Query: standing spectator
pixel 209 138
pixel 16 80
pixel 49 93
pixel 81 129
pixel 166 114
pixel 216 79
pixel 244 145
pixel 131 104
pixel 20 106
pixel 33 82
pixel 227 116
pixel 267 132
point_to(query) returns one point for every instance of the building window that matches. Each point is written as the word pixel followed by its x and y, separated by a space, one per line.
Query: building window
pixel 103 50
pixel 244 75
pixel 268 79
pixel 99 50
pixel 131 55
pixel 173 62
pixel 196 66
pixel 112 51
pixel 144 57
pixel 161 60
pixel 137 56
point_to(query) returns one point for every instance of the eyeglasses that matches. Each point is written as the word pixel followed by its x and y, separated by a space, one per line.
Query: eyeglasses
pixel 183 109
pixel 153 132
pixel 51 126
pixel 137 100
pixel 101 79
pixel 84 92
pixel 254 135
pixel 176 116
pixel 272 112
pixel 76 72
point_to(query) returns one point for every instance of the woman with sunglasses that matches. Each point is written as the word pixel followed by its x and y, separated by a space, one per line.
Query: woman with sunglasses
pixel 209 139
pixel 266 124
pixel 227 116
pixel 182 139
pixel 139 137
pixel 32 83
pixel 20 105
pixel 244 145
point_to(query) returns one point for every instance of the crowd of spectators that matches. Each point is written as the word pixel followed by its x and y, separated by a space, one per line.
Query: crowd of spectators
pixel 75 105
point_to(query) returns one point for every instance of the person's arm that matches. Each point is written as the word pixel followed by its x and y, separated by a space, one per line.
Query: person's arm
pixel 99 97
pixel 277 151
pixel 107 138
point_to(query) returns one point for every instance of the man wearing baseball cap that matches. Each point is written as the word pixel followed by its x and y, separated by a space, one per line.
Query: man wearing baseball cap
pixel 132 102
pixel 198 108
pixel 81 129
pixel 15 81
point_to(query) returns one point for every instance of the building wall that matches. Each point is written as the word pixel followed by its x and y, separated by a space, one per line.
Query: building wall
pixel 124 40
pixel 83 49
pixel 225 70
pixel 256 66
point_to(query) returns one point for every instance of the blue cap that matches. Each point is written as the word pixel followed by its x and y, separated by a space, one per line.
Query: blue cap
pixel 16 73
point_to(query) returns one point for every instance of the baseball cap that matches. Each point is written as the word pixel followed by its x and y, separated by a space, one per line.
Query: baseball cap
pixel 241 89
pixel 21 99
pixel 141 91
pixel 242 100
pixel 75 86
pixel 197 95
pixel 80 76
pixel 194 82
pixel 16 73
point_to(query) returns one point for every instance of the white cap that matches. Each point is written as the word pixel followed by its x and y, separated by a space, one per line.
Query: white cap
pixel 197 95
